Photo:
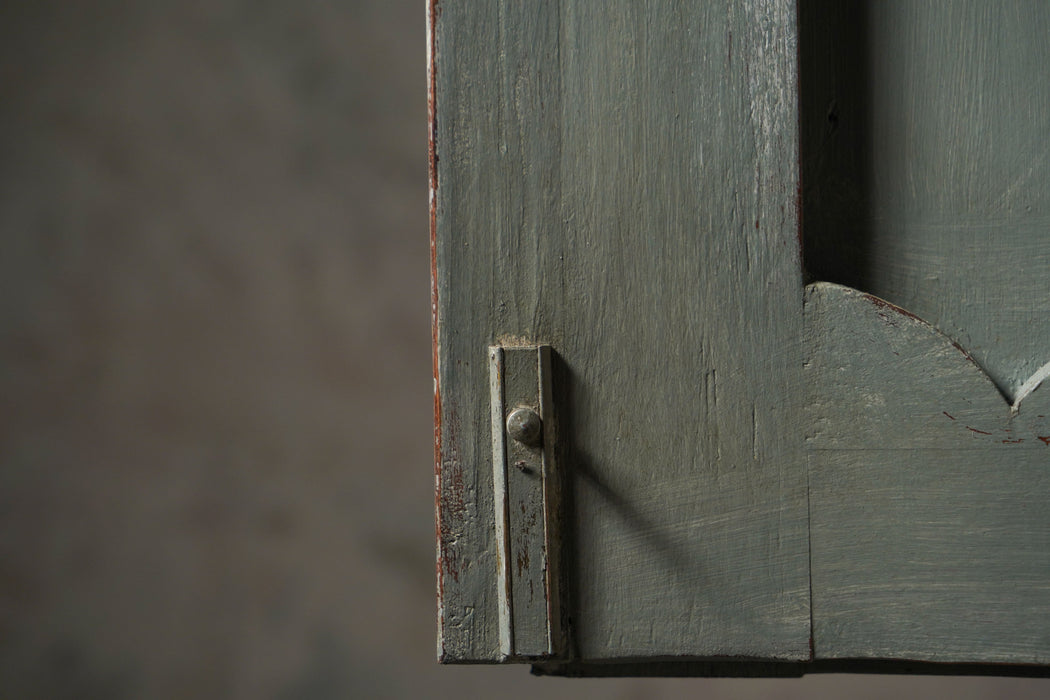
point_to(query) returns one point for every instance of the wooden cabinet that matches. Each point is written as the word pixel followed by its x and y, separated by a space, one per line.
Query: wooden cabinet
pixel 740 472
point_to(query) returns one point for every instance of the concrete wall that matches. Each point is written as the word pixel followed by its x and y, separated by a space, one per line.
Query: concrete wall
pixel 215 386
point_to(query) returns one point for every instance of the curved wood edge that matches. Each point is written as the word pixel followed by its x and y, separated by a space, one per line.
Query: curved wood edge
pixel 879 377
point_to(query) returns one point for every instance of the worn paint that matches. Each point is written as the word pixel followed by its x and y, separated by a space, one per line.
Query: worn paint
pixel 930 188
pixel 904 377
pixel 527 514
pixel 432 116
pixel 892 311
pixel 603 166
pixel 587 195
pixel 920 474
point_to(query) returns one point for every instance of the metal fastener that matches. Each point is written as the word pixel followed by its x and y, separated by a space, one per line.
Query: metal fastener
pixel 525 426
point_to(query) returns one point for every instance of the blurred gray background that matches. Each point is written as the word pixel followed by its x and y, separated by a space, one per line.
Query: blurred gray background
pixel 215 387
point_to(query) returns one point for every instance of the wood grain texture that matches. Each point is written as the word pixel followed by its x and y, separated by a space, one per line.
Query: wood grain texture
pixel 927 166
pixel 930 534
pixel 928 185
pixel 497 96
pixel 618 179
pixel 943 556
pixel 526 519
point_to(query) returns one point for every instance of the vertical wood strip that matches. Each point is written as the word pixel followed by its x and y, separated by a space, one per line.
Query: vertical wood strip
pixel 501 501
pixel 619 180
pixel 527 517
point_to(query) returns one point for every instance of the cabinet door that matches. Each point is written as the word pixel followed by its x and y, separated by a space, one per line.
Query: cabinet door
pixel 618 181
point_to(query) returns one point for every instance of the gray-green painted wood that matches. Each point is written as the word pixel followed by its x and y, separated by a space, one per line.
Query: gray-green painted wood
pixel 527 513
pixel 879 378
pixel 943 556
pixel 618 179
pixel 927 174
pixel 927 166
pixel 930 530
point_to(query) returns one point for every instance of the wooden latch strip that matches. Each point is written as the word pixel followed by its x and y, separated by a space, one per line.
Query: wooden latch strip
pixel 527 502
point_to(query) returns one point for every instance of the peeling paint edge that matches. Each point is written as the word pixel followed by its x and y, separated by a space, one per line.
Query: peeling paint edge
pixel 1029 386
pixel 432 159
pixel 1014 403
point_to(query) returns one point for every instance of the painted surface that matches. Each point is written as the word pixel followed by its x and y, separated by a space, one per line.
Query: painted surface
pixel 928 493
pixel 927 167
pixel 619 180
pixel 527 518
pixel 927 184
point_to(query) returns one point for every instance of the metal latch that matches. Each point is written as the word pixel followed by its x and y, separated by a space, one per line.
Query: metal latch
pixel 527 502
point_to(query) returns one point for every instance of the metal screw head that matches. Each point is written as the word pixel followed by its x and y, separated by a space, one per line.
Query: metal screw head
pixel 525 426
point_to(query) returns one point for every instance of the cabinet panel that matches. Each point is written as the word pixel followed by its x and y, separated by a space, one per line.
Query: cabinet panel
pixel 927 185
pixel 619 180
pixel 930 532
pixel 927 166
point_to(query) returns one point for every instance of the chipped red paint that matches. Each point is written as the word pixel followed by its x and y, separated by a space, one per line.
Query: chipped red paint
pixel 1013 442
pixel 883 304
pixel 975 430
pixel 1045 439
pixel 948 414
pixel 443 556
pixel 887 306
pixel 433 13
pixel 961 349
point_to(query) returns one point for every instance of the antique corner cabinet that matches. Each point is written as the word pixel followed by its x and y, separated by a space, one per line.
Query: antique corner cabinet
pixel 681 430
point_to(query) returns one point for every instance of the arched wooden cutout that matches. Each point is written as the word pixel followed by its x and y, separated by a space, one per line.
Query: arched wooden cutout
pixel 880 378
